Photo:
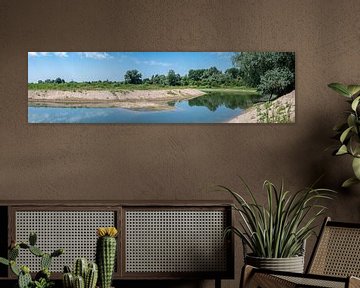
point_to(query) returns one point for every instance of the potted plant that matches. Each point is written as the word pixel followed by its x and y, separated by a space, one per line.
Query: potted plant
pixel 348 133
pixel 276 233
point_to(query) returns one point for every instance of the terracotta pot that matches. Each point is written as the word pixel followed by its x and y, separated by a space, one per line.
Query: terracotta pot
pixel 291 264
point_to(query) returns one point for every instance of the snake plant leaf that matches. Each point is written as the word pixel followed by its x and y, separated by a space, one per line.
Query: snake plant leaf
pixel 356 167
pixel 341 89
pixel 342 150
pixel 355 103
pixel 345 134
pixel 349 182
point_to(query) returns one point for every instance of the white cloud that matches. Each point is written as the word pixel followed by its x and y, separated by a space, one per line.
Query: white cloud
pixel 96 55
pixel 153 63
pixel 223 55
pixel 61 54
pixel 37 54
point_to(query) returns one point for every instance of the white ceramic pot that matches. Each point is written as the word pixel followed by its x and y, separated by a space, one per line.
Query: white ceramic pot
pixel 291 264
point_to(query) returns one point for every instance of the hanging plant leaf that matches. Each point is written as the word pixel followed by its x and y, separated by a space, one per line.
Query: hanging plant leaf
pixel 340 88
pixel 356 167
pixel 355 103
pixel 342 150
pixel 349 182
pixel 345 134
pixel 354 90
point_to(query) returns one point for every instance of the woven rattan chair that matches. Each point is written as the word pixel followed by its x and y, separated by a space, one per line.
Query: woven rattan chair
pixel 334 263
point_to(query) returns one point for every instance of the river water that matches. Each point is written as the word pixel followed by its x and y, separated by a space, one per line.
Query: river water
pixel 210 108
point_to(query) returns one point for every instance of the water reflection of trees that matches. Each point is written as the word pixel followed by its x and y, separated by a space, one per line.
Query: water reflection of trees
pixel 232 101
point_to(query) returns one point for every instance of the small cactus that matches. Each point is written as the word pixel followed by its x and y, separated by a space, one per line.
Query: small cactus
pixel 79 282
pixel 68 280
pixel 106 254
pixel 91 276
pixel 89 272
pixel 80 268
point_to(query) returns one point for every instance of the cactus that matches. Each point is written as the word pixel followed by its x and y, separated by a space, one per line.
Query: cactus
pixel 36 251
pixel 79 282
pixel 13 253
pixel 32 239
pixel 91 276
pixel 105 254
pixel 45 261
pixel 67 269
pixel 24 278
pixel 89 272
pixel 68 280
pixel 80 268
pixel 14 268
pixel 57 252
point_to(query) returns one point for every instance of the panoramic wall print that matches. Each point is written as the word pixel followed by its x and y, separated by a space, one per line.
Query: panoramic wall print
pixel 161 87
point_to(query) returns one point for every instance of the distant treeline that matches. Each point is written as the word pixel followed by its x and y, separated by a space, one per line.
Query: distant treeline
pixel 211 77
pixel 271 73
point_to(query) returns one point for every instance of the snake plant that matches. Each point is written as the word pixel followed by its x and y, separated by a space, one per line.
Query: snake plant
pixel 348 132
pixel 279 228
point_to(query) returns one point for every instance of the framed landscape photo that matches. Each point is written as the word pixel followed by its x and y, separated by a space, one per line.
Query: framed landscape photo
pixel 161 87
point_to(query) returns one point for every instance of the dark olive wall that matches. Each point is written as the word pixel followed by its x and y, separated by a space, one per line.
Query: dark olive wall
pixel 176 162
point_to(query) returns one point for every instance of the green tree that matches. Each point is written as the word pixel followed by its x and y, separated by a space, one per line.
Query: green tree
pixel 158 80
pixel 133 77
pixel 173 79
pixel 59 80
pixel 253 65
pixel 277 81
pixel 233 73
pixel 196 75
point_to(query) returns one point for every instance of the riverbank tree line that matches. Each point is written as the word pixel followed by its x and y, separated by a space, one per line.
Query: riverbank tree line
pixel 271 73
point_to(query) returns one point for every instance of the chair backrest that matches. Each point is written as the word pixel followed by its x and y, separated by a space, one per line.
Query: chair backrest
pixel 337 251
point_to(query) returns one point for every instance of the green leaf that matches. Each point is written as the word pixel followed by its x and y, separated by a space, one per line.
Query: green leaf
pixel 354 90
pixel 351 120
pixel 345 134
pixel 354 145
pixel 4 261
pixel 342 150
pixel 355 103
pixel 356 167
pixel 349 182
pixel 340 88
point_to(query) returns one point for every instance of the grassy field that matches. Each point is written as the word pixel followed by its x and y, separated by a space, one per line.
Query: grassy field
pixel 129 87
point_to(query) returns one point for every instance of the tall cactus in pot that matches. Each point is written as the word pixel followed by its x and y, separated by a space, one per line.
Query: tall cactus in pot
pixel 106 254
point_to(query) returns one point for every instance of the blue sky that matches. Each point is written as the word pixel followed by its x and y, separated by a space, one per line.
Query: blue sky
pixel 90 66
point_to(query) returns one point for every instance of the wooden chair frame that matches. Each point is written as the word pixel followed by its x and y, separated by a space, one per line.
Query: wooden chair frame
pixel 255 277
